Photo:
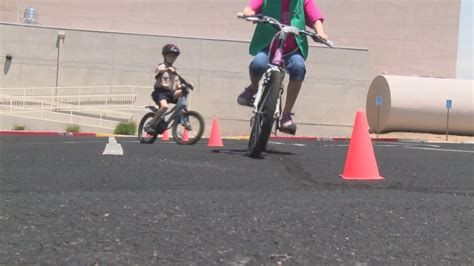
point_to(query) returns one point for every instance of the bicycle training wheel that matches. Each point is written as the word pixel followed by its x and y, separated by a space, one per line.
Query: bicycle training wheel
pixel 188 128
pixel 263 119
pixel 143 136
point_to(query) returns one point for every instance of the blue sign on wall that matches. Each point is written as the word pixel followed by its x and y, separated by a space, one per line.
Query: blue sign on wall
pixel 449 104
pixel 378 100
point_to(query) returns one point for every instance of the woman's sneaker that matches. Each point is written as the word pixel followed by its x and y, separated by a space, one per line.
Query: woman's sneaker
pixel 246 97
pixel 286 124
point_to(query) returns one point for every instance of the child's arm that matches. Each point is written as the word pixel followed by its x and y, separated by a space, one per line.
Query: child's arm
pixel 161 68
pixel 319 29
pixel 314 18
pixel 248 11
pixel 253 7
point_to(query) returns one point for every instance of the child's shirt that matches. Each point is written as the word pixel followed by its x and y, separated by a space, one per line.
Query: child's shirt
pixel 166 80
pixel 311 12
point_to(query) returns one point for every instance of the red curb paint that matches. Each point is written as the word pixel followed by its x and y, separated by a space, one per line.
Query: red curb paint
pixel 83 134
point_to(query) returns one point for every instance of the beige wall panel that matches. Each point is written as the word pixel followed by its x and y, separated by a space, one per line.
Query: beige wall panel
pixel 39 43
pixel 10 73
pixel 84 46
pixel 137 78
pixel 90 76
pixel 35 75
pixel 351 23
pixel 224 56
pixel 8 16
pixel 136 50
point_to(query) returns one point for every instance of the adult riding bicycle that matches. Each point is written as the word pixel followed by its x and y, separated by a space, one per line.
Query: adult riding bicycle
pixel 187 126
pixel 267 102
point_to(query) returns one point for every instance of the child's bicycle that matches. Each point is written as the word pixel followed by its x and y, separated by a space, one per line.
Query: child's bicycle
pixel 267 101
pixel 187 126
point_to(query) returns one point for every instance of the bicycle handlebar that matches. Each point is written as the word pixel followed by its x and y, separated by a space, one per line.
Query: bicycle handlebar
pixel 183 81
pixel 259 18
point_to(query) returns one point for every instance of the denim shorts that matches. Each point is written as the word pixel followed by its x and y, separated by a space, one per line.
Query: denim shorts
pixel 294 64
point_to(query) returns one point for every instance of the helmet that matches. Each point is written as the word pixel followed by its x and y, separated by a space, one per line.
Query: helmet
pixel 170 49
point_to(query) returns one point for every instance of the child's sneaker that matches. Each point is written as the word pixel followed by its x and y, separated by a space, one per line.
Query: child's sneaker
pixel 286 124
pixel 246 97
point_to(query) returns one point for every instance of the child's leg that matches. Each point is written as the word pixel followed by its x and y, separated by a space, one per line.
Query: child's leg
pixel 156 118
pixel 163 108
pixel 293 90
pixel 257 67
pixel 297 70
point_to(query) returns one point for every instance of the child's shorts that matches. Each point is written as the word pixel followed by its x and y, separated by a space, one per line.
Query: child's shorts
pixel 162 94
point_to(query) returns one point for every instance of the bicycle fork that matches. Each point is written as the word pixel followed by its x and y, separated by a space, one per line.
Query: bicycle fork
pixel 258 97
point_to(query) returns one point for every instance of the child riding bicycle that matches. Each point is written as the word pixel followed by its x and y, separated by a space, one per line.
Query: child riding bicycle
pixel 299 13
pixel 167 86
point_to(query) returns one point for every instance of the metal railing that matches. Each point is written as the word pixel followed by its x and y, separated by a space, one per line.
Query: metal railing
pixel 53 93
pixel 98 105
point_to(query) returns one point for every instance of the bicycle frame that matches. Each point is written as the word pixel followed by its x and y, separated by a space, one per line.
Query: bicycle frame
pixel 276 64
pixel 174 112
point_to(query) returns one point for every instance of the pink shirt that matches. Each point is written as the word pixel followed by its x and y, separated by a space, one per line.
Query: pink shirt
pixel 311 13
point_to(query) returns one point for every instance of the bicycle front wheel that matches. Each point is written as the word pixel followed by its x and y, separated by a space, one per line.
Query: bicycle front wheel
pixel 263 119
pixel 188 128
pixel 143 136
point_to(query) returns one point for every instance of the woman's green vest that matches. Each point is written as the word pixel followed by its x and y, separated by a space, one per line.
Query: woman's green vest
pixel 264 32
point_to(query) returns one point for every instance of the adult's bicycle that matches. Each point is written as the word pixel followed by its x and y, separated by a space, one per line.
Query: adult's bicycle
pixel 187 126
pixel 267 103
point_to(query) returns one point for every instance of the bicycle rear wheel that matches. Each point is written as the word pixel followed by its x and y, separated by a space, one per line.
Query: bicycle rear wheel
pixel 263 119
pixel 143 136
pixel 188 128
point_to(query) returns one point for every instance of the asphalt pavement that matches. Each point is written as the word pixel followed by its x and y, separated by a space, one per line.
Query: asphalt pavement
pixel 64 203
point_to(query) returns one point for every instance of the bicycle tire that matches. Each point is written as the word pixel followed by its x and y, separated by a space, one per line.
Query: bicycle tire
pixel 264 118
pixel 194 135
pixel 143 136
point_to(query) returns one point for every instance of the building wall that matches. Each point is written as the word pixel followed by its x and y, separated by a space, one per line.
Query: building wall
pixel 335 87
pixel 404 37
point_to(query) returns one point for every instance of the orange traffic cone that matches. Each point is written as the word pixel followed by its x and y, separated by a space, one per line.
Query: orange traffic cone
pixel 360 160
pixel 165 136
pixel 215 140
pixel 185 137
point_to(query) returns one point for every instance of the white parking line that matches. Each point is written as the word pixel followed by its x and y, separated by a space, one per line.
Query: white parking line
pixel 436 149
pixel 299 145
